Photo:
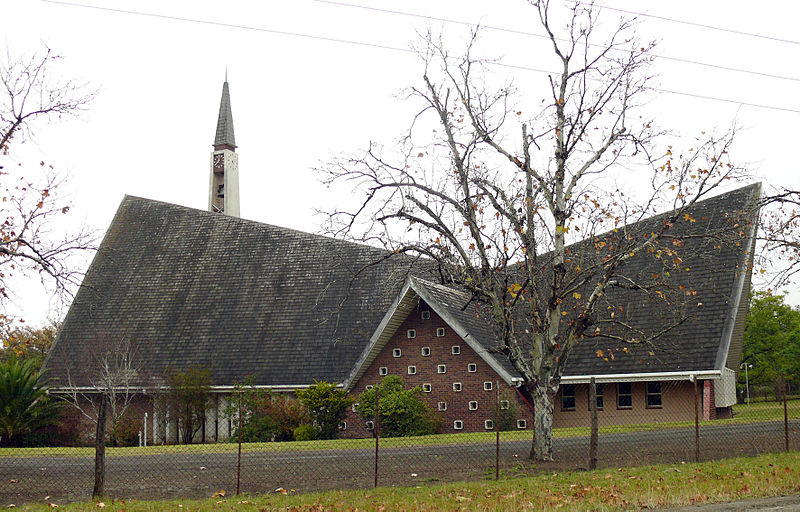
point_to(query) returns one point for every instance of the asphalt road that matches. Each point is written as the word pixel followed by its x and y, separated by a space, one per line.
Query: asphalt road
pixel 199 475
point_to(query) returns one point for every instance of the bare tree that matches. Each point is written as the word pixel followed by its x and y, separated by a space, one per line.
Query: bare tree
pixel 779 236
pixel 102 389
pixel 526 211
pixel 30 205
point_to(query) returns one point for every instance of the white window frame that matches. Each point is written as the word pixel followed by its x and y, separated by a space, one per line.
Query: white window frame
pixel 425 351
pixel 369 386
pixel 426 314
pixel 383 371
pixel 472 405
pixel 488 424
pixel 411 334
pixel 504 405
pixel 427 388
pixel 442 406
pixel 522 424
pixel 455 350
pixel 354 407
pixel 442 368
pixel 343 425
pixel 472 367
pixel 370 425
pixel 440 332
pixel 458 425
pixel 412 370
pixel 488 385
pixel 396 352
pixel 457 387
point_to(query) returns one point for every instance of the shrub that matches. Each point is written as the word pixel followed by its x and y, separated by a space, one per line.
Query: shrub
pixel 305 432
pixel 266 416
pixel 327 406
pixel 507 418
pixel 403 412
pixel 24 404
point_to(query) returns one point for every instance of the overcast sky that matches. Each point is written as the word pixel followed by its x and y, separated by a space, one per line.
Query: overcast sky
pixel 300 93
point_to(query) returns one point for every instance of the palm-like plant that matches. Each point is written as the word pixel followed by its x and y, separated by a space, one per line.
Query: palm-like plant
pixel 24 404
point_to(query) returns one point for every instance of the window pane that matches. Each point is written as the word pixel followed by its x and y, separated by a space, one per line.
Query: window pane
pixel 568 397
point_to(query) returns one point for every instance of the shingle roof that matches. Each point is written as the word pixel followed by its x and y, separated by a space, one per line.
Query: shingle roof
pixel 188 287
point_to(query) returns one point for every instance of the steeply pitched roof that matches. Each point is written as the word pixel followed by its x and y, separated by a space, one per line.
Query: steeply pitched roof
pixel 224 136
pixel 186 287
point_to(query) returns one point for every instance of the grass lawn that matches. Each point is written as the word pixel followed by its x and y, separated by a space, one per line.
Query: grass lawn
pixel 757 412
pixel 608 489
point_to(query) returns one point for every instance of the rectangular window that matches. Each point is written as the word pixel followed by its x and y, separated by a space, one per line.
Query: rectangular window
pixel 473 405
pixel 440 332
pixel 442 406
pixel 368 386
pixel 426 388
pixel 370 425
pixel 442 368
pixel 343 425
pixel 458 424
pixel 412 370
pixel 411 334
pixel 397 352
pixel 488 424
pixel 426 351
pixel 426 315
pixel 654 395
pixel 568 397
pixel 472 367
pixel 354 407
pixel 504 405
pixel 522 424
pixel 457 386
pixel 383 370
pixel 455 350
pixel 598 389
pixel 487 386
pixel 624 395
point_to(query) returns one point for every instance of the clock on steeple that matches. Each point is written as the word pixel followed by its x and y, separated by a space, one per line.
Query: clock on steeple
pixel 223 189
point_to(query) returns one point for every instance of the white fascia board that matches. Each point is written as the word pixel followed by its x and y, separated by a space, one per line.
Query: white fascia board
pixel 642 377
pixel 281 388
pixel 469 340
pixel 373 347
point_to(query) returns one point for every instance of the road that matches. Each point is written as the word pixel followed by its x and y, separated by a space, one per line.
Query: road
pixel 199 475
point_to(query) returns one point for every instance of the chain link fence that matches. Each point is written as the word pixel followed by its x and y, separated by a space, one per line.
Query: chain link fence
pixel 605 425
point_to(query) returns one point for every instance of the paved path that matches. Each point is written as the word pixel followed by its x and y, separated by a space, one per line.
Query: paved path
pixel 776 504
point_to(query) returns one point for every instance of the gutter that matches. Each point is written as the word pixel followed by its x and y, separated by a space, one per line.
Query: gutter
pixel 283 388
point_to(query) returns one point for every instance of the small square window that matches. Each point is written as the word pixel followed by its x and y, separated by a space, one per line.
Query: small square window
pixel 383 370
pixel 568 397
pixel 522 423
pixel 457 386
pixel 624 395
pixel 354 407
pixel 397 352
pixel 442 368
pixel 411 334
pixel 370 425
pixel 458 424
pixel 426 351
pixel 653 395
pixel 343 425
pixel 440 332
pixel 504 405
pixel 455 350
pixel 487 386
pixel 426 315
pixel 488 424
pixel 473 405
pixel 472 367
pixel 412 370
pixel 442 406
pixel 369 386
pixel 426 388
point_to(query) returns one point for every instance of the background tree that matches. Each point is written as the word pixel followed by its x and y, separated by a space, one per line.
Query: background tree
pixel 28 343
pixel 327 406
pixel 186 398
pixel 266 416
pixel 494 187
pixel 403 412
pixel 30 204
pixel 24 404
pixel 779 234
pixel 771 343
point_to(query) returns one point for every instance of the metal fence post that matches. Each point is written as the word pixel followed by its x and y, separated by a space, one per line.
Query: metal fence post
pixel 497 432
pixel 785 413
pixel 239 461
pixel 593 436
pixel 377 427
pixel 696 421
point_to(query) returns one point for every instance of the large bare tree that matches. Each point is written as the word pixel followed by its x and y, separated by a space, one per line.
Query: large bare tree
pixel 31 92
pixel 498 195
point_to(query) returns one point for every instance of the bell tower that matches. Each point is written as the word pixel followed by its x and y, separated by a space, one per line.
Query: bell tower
pixel 223 192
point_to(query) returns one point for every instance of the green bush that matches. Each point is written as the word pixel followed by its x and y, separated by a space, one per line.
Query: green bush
pixel 266 416
pixel 24 404
pixel 507 418
pixel 327 406
pixel 403 412
pixel 305 432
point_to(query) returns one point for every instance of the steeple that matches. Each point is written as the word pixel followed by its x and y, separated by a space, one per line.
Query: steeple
pixel 223 188
pixel 225 138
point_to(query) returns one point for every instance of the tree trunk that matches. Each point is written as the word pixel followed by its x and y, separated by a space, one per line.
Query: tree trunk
pixel 542 446
pixel 100 449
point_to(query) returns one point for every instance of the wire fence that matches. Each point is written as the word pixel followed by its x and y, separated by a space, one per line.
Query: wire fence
pixel 601 425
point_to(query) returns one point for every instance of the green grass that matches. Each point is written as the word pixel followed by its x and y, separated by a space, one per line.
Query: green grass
pixel 609 489
pixel 757 412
